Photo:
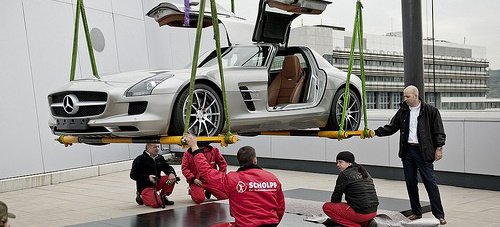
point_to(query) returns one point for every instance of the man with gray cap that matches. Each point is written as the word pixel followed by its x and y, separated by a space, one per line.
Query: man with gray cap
pixel 5 215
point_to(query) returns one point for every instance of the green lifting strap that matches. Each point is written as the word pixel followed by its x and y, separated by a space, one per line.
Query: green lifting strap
pixel 215 22
pixel 366 130
pixel 194 66
pixel 80 9
pixel 232 6
pixel 357 33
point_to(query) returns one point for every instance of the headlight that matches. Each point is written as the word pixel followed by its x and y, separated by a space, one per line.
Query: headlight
pixel 146 86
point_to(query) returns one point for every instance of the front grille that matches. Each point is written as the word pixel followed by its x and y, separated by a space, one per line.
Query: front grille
pixel 82 96
pixel 84 111
pixel 135 108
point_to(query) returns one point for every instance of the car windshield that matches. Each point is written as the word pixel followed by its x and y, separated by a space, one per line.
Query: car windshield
pixel 246 56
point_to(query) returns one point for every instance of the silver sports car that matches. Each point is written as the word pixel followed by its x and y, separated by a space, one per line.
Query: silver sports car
pixel 270 86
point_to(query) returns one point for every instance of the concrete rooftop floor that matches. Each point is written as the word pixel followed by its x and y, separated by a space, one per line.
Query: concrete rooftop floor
pixel 112 195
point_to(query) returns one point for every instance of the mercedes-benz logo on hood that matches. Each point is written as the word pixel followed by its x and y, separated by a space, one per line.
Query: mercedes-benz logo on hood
pixel 70 104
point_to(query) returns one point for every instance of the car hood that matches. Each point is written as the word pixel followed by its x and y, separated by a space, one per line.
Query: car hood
pixel 120 82
pixel 133 77
pixel 115 81
pixel 130 77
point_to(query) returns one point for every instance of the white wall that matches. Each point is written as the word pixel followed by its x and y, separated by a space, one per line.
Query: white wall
pixel 19 118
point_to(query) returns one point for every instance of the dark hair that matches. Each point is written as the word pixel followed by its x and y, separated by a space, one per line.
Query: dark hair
pixel 361 170
pixel 246 155
pixel 203 143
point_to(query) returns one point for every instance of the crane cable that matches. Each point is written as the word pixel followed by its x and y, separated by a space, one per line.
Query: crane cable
pixel 194 66
pixel 80 9
pixel 357 33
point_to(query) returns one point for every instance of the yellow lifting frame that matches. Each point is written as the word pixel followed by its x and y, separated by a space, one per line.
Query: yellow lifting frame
pixel 314 133
pixel 70 140
pixel 223 140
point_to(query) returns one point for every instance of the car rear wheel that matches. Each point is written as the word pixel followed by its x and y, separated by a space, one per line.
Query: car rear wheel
pixel 353 112
pixel 207 114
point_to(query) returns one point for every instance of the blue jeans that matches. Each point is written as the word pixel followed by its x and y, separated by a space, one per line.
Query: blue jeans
pixel 412 161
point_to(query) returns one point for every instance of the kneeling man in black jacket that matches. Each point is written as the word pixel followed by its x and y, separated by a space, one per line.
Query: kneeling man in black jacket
pixel 357 185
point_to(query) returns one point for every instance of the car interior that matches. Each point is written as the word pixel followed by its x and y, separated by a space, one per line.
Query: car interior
pixel 288 78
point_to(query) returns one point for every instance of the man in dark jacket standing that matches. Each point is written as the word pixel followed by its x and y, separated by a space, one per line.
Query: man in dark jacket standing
pixel 421 143
pixel 146 171
pixel 255 195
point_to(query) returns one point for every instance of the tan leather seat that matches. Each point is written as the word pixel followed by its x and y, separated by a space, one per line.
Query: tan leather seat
pixel 287 86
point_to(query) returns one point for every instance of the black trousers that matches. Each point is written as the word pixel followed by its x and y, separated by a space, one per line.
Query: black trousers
pixel 413 161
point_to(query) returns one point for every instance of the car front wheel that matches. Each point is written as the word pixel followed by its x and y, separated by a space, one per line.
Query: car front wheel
pixel 207 115
pixel 353 112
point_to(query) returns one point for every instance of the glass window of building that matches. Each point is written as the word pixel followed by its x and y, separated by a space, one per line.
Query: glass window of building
pixel 370 100
pixel 384 100
pixel 430 98
pixel 396 99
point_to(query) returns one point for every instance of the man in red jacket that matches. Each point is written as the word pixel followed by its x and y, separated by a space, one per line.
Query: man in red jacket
pixel 255 195
pixel 199 188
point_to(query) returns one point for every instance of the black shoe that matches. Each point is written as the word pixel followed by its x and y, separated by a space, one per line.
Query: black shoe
pixel 138 199
pixel 207 194
pixel 414 217
pixel 372 223
pixel 165 201
pixel 331 223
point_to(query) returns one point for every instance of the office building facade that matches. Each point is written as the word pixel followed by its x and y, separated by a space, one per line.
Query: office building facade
pixel 455 78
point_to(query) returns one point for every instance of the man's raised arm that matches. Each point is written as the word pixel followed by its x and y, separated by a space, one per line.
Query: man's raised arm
pixel 214 176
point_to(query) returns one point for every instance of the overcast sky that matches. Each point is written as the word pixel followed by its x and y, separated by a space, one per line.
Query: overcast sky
pixel 477 21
